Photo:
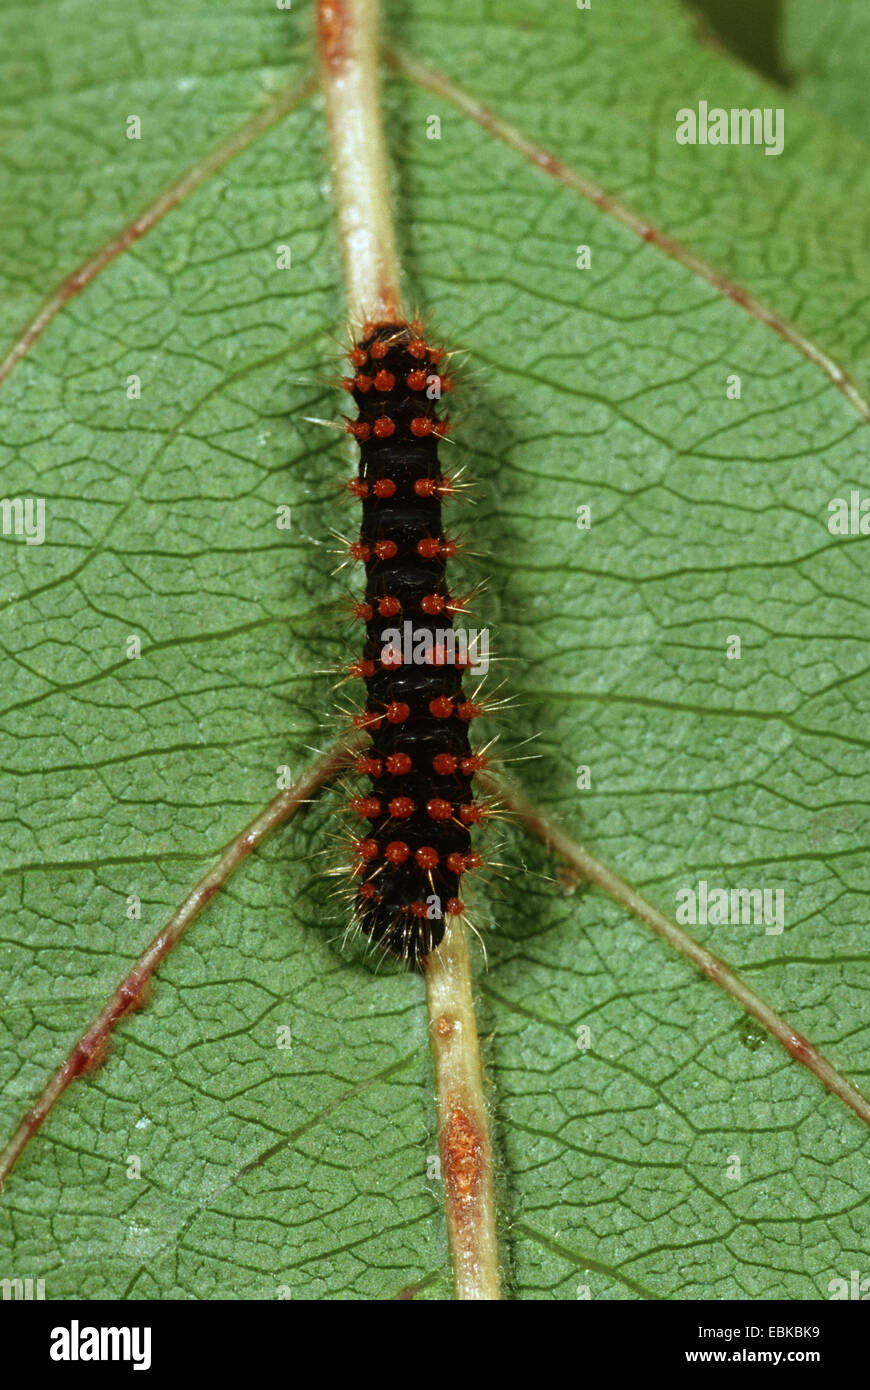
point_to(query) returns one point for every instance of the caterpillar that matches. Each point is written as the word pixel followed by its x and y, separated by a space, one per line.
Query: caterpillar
pixel 420 765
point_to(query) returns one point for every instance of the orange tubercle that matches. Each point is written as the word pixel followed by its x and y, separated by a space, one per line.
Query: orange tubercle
pixel 367 720
pixel 444 764
pixel 469 710
pixel 398 764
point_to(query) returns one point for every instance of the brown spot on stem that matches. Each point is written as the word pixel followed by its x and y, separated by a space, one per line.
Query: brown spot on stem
pixel 388 297
pixel 462 1159
pixel 332 28
pixel 89 1058
pixel 134 993
pixel 712 968
pixel 799 1047
pixel 444 1026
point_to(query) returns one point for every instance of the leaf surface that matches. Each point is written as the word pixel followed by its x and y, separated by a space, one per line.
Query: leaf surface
pixel 826 55
pixel 305 1171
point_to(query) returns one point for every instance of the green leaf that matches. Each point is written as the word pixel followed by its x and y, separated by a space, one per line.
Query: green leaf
pixel 604 387
pixel 826 54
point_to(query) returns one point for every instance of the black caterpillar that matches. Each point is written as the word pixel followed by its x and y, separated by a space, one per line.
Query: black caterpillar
pixel 420 764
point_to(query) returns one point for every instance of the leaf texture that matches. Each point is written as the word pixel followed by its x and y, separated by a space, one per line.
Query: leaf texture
pixel 305 1171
